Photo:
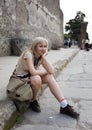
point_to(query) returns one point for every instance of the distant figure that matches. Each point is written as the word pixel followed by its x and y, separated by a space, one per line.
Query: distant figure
pixel 87 45
pixel 65 43
pixel 70 43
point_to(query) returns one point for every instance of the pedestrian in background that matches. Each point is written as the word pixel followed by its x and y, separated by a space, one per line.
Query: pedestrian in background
pixel 87 46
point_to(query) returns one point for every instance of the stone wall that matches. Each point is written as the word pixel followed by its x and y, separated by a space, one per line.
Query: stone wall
pixel 7 25
pixel 23 20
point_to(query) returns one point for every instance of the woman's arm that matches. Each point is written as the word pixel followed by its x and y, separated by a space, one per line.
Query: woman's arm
pixel 49 68
pixel 32 69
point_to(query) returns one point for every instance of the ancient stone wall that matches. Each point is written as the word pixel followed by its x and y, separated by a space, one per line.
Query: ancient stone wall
pixel 7 25
pixel 23 20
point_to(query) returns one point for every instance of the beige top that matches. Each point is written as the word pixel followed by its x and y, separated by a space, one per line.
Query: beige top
pixel 21 67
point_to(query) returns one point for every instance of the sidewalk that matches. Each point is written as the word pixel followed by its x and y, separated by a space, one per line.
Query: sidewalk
pixel 59 58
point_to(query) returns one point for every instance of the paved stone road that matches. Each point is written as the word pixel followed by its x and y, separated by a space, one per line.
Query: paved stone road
pixel 76 83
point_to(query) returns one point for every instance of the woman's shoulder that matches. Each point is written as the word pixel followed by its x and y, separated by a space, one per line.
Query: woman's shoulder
pixel 28 54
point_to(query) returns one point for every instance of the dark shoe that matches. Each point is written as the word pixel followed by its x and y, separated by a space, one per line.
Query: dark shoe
pixel 34 105
pixel 68 110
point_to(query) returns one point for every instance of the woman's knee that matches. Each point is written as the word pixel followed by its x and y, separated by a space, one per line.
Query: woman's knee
pixel 36 80
pixel 48 77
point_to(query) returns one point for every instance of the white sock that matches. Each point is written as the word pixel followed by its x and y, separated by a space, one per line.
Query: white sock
pixel 63 103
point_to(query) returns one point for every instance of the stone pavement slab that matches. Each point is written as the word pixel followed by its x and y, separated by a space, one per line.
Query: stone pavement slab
pixel 76 83
pixel 42 127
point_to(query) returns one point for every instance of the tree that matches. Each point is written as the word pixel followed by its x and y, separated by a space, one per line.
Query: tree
pixel 66 36
pixel 73 27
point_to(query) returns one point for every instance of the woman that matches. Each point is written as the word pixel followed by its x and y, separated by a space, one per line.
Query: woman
pixel 28 68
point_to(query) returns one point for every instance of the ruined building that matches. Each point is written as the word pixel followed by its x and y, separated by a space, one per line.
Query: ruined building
pixel 23 20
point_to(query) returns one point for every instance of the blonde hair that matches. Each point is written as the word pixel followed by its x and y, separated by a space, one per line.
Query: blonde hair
pixel 37 41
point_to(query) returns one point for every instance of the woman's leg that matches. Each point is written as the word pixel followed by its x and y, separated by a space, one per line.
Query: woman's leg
pixel 54 87
pixel 36 84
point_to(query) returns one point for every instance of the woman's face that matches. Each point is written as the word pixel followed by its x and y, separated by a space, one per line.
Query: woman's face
pixel 41 49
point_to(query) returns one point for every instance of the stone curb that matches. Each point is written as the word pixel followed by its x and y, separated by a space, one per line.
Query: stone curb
pixel 60 65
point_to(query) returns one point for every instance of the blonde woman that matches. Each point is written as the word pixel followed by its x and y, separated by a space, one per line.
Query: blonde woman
pixel 28 67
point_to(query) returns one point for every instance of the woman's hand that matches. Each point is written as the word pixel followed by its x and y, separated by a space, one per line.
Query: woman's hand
pixel 45 54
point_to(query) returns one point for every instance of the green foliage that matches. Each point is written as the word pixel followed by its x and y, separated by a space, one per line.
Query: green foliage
pixel 73 27
pixel 66 36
